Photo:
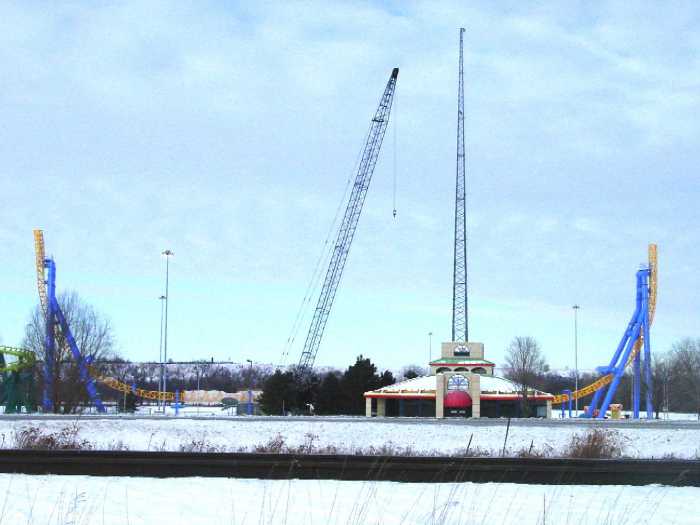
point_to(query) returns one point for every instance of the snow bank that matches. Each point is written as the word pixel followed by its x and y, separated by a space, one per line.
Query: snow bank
pixel 139 501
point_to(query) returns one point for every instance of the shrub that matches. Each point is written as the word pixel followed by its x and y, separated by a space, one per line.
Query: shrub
pixel 200 445
pixel 595 443
pixel 275 445
pixel 33 438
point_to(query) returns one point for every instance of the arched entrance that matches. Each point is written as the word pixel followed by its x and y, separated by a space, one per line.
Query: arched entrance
pixel 458 403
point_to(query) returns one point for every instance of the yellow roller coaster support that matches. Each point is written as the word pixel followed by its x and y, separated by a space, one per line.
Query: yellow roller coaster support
pixel 40 281
pixel 607 379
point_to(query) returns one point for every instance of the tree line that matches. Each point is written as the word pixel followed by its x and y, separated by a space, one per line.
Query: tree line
pixel 303 391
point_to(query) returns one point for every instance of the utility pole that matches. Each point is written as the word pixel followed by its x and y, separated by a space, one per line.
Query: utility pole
pixel 460 331
pixel 167 254
pixel 576 309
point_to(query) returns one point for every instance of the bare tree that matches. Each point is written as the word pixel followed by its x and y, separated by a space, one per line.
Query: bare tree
pixel 526 364
pixel 93 335
pixel 662 376
pixel 201 368
pixel 685 364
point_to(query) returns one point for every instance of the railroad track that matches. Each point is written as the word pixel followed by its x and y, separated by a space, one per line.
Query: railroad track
pixel 350 467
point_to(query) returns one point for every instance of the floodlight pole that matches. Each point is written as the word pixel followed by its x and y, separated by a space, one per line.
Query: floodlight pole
pixel 167 254
pixel 430 347
pixel 160 348
pixel 576 309
pixel 250 388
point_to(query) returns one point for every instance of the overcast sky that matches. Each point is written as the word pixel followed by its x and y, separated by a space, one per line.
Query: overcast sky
pixel 227 134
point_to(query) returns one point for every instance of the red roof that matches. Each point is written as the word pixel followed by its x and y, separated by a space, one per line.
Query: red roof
pixel 458 399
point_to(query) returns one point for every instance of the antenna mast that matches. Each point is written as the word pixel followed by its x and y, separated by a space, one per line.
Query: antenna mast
pixel 459 290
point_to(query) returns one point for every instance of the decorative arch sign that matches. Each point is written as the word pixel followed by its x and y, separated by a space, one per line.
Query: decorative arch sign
pixel 458 382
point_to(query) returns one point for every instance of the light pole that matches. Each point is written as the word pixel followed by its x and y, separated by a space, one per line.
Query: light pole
pixel 576 309
pixel 250 388
pixel 167 254
pixel 430 348
pixel 160 349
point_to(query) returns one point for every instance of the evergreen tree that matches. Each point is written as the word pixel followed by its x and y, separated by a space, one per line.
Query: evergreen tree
pixel 329 395
pixel 280 391
pixel 358 379
pixel 386 379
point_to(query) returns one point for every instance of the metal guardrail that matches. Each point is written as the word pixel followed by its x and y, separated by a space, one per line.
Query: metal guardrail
pixel 349 467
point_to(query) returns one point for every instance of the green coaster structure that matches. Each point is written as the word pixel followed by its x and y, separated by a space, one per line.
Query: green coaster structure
pixel 17 389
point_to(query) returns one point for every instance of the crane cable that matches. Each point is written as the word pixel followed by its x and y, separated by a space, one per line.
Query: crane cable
pixel 394 151
pixel 324 256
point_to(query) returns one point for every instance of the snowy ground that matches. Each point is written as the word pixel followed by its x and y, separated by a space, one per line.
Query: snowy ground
pixel 84 500
pixel 653 439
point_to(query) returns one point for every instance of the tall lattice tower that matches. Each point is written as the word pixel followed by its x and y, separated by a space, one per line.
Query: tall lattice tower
pixel 459 291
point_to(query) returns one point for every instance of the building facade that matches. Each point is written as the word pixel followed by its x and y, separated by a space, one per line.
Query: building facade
pixel 461 384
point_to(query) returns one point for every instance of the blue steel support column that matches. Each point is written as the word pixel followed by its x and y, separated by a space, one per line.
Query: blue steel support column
pixel 49 338
pixel 647 351
pixel 636 384
pixel 594 403
pixel 563 406
pixel 631 335
pixel 85 376
pixel 616 356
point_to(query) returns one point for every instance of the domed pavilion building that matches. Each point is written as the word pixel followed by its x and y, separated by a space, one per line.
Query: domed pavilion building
pixel 461 384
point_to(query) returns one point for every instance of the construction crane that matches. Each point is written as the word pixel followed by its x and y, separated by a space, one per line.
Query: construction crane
pixel 347 228
pixel 460 331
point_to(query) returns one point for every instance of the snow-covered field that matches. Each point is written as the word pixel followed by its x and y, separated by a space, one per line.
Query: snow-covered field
pixel 655 439
pixel 84 500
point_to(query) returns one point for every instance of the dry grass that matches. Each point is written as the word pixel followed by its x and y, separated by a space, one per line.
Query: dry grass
pixel 593 443
pixel 200 445
pixel 33 438
pixel 596 443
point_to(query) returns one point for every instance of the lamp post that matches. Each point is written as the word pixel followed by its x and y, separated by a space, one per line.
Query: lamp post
pixel 160 349
pixel 250 388
pixel 576 309
pixel 167 254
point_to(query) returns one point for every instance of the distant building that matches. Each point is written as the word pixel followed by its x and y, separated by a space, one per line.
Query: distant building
pixel 461 384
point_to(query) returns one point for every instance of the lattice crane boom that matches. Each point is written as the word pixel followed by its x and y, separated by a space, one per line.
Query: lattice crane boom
pixel 347 228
